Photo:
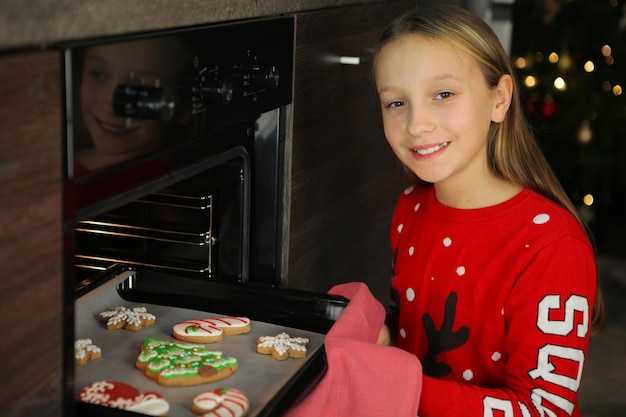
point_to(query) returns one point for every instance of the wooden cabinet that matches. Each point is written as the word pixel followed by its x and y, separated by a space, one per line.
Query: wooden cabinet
pixel 345 180
pixel 31 288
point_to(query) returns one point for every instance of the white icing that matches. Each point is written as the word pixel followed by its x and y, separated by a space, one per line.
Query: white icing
pixel 209 327
pixel 134 316
pixel 84 346
pixel 222 403
pixel 117 395
pixel 197 328
pixel 96 393
pixel 150 404
pixel 207 401
pixel 282 343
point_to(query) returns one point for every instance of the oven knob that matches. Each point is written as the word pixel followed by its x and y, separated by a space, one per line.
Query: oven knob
pixel 257 77
pixel 215 89
pixel 142 102
pixel 264 76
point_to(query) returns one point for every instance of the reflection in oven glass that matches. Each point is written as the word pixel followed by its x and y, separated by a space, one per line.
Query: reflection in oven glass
pixel 148 111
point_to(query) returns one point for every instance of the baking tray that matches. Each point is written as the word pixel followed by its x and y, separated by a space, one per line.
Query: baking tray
pixel 271 385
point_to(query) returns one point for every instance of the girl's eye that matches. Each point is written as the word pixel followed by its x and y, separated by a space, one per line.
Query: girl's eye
pixel 394 104
pixel 97 75
pixel 443 95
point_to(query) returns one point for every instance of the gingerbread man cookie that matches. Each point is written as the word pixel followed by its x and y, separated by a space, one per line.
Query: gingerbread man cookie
pixel 178 364
pixel 85 351
pixel 221 402
pixel 124 396
pixel 282 346
pixel 210 330
pixel 128 318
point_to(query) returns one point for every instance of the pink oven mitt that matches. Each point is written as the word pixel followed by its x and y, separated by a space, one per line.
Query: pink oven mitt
pixel 363 379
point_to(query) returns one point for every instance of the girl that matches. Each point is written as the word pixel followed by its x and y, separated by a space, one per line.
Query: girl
pixel 495 275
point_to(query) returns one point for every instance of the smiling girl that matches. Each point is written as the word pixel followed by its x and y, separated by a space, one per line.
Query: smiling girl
pixel 494 273
pixel 151 62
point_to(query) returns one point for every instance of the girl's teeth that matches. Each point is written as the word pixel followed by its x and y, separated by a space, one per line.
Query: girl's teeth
pixel 433 149
pixel 111 128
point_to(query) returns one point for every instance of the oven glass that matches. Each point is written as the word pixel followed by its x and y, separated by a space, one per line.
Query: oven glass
pixel 174 150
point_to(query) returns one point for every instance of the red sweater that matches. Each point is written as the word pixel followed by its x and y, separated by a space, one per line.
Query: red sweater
pixel 495 302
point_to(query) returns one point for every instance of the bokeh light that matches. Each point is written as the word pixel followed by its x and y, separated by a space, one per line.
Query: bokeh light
pixel 530 81
pixel 617 90
pixel 560 84
pixel 588 200
pixel 553 57
pixel 589 66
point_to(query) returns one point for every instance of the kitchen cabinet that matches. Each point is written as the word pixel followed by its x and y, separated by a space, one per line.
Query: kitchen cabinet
pixel 345 180
pixel 31 290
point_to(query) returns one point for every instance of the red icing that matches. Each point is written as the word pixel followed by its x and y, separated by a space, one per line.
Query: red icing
pixel 120 395
pixel 196 325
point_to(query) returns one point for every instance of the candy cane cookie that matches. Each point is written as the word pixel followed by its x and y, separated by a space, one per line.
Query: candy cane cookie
pixel 210 330
pixel 221 402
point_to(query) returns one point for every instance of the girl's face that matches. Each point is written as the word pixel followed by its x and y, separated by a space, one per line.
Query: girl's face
pixel 437 109
pixel 105 68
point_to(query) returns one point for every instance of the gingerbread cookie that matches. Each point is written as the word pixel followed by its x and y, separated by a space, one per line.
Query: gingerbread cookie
pixel 282 346
pixel 124 396
pixel 221 402
pixel 128 318
pixel 210 330
pixel 178 364
pixel 85 351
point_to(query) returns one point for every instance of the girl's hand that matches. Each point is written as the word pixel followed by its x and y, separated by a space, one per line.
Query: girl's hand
pixel 384 338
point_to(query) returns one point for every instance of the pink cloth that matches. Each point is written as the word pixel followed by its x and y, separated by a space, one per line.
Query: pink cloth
pixel 363 379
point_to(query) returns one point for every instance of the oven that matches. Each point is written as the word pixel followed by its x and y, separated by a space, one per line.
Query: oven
pixel 174 198
pixel 175 150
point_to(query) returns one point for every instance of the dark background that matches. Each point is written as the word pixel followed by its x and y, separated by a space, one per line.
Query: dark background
pixel 577 30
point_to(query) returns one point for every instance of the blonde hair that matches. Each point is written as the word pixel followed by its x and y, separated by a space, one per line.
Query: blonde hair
pixel 513 152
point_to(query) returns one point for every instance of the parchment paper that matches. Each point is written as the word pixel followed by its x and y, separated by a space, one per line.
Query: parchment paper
pixel 260 376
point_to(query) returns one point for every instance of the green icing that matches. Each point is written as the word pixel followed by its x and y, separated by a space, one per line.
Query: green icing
pixel 174 359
